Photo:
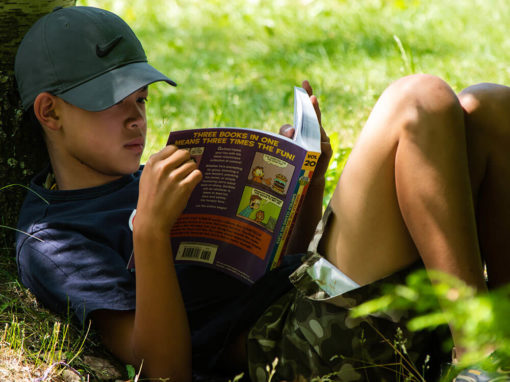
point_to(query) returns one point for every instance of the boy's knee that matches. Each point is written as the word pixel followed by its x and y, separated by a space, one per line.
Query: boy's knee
pixel 428 94
pixel 425 102
pixel 485 96
pixel 486 108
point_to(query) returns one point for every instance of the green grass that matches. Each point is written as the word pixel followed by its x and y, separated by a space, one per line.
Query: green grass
pixel 236 63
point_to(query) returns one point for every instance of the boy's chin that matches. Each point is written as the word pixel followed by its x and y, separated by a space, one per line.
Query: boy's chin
pixel 132 169
pixel 128 169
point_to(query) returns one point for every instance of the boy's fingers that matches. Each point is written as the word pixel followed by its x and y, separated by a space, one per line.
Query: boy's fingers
pixel 157 159
pixel 306 85
pixel 324 136
pixel 287 131
pixel 194 178
pixel 169 158
pixel 163 153
pixel 189 178
pixel 184 170
pixel 315 103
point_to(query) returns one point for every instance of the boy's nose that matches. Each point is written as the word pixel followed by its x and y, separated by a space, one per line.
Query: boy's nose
pixel 135 116
pixel 136 123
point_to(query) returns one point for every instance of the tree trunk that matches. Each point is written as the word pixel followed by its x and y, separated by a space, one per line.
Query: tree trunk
pixel 22 152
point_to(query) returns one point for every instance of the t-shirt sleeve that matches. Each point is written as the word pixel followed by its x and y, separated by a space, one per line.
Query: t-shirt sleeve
pixel 69 272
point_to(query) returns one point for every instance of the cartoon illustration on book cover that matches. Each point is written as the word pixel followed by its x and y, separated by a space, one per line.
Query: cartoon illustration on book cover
pixel 259 207
pixel 270 173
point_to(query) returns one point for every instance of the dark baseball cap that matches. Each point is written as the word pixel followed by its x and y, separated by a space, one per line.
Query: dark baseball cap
pixel 87 56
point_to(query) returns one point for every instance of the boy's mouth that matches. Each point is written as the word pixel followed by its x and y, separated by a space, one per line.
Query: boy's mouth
pixel 136 145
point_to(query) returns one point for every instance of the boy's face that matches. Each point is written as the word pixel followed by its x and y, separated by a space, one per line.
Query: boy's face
pixel 110 142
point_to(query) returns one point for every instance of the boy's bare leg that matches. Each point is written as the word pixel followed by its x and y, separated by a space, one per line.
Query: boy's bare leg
pixel 487 117
pixel 405 191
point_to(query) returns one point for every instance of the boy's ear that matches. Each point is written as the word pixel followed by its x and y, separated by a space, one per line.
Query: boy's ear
pixel 45 110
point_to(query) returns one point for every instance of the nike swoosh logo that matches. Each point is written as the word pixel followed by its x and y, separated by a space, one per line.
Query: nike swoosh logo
pixel 104 50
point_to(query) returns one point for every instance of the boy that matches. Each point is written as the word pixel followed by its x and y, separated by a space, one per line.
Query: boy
pixel 406 196
pixel 84 75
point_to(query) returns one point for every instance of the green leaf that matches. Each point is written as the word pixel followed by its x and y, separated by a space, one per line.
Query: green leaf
pixel 131 371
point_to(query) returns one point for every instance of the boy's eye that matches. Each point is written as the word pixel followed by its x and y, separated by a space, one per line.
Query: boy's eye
pixel 142 99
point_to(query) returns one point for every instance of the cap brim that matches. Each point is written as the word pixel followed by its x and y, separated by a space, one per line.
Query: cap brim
pixel 106 90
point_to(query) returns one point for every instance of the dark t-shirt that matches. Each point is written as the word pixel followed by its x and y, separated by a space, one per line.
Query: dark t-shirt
pixel 75 248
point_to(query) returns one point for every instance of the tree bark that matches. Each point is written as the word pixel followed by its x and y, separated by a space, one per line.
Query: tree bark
pixel 22 151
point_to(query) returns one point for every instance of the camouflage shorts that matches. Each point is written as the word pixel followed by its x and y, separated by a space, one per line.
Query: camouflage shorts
pixel 312 335
pixel 310 332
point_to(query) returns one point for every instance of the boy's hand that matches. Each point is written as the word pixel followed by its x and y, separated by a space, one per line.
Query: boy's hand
pixel 167 181
pixel 326 150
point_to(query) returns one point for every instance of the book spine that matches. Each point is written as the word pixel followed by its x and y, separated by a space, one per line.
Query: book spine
pixel 298 196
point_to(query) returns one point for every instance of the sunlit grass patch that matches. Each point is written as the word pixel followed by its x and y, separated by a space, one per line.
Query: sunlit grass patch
pixel 36 343
pixel 236 62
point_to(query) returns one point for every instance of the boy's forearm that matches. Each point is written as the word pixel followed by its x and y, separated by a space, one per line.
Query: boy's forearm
pixel 161 334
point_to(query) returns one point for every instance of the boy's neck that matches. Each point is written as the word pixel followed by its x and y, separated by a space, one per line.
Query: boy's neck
pixel 78 176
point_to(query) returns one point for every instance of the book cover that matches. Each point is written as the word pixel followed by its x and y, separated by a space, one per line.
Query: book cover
pixel 239 218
